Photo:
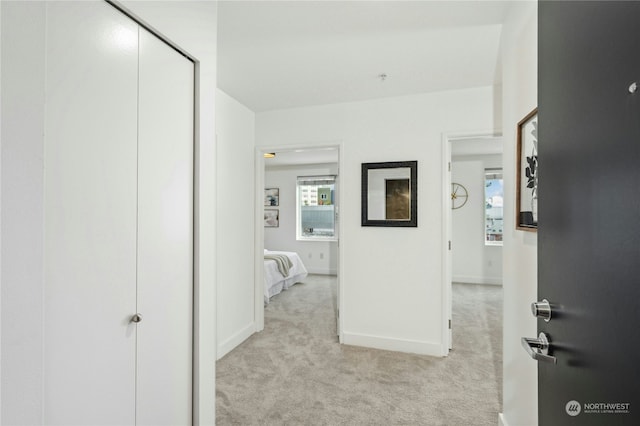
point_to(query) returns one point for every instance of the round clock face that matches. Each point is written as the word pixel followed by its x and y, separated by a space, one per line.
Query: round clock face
pixel 459 195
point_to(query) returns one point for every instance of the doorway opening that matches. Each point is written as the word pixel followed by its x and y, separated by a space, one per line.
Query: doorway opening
pixel 472 211
pixel 297 214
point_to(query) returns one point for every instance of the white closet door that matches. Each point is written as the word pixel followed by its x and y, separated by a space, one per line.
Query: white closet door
pixel 165 234
pixel 90 215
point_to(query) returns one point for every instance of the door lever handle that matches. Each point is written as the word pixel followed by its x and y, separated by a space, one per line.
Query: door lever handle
pixel 538 349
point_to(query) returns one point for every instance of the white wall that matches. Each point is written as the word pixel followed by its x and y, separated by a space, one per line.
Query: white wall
pixel 236 210
pixel 21 191
pixel 192 26
pixel 319 257
pixel 391 278
pixel 520 88
pixel 0 220
pixel 472 260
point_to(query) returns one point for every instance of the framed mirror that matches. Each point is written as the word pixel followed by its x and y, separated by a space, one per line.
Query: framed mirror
pixel 390 194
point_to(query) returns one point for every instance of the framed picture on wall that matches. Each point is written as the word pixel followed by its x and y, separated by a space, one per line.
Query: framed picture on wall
pixel 271 218
pixel 272 197
pixel 390 194
pixel 527 173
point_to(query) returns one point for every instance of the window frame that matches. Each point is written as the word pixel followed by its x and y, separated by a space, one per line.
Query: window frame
pixel 300 181
pixel 491 174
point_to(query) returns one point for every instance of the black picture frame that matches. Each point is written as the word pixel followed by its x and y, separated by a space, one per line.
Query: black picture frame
pixel 390 189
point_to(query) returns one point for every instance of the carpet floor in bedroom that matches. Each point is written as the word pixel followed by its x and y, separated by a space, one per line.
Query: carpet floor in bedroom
pixel 295 372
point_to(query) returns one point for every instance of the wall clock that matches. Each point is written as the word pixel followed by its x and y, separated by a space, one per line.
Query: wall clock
pixel 459 195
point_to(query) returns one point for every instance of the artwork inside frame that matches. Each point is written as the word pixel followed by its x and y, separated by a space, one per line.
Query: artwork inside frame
pixel 398 199
pixel 271 218
pixel 527 173
pixel 271 197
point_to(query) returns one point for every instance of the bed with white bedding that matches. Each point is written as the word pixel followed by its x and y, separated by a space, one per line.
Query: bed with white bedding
pixel 274 280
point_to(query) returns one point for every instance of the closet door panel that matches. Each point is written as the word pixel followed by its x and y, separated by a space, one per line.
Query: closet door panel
pixel 90 215
pixel 165 235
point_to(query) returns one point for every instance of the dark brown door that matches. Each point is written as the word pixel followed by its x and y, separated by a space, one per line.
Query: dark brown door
pixel 589 211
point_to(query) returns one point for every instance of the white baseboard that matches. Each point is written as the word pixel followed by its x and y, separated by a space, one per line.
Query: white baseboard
pixel 501 420
pixel 322 271
pixel 392 344
pixel 477 280
pixel 232 342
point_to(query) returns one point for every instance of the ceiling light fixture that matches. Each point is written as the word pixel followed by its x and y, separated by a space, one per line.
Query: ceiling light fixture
pixel 383 76
pixel 269 155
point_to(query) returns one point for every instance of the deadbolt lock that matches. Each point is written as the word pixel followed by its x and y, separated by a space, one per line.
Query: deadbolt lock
pixel 542 310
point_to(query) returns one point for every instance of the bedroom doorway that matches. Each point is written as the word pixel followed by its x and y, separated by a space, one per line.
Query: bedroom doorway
pixel 474 224
pixel 297 214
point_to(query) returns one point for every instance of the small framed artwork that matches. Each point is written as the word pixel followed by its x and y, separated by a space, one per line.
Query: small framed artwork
pixel 272 197
pixel 527 173
pixel 390 194
pixel 271 218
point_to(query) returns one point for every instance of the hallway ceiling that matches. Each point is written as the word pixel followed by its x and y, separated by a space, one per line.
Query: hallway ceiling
pixel 286 54
pixel 476 146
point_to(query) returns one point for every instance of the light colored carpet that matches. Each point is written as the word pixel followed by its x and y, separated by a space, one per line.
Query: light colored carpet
pixel 295 372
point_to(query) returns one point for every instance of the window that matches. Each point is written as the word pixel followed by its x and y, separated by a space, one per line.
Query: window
pixel 316 207
pixel 493 217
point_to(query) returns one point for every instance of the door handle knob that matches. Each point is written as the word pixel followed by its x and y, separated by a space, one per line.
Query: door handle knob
pixel 542 310
pixel 136 318
pixel 538 349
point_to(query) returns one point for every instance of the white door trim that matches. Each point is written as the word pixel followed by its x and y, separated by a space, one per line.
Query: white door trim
pixel 447 234
pixel 259 226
